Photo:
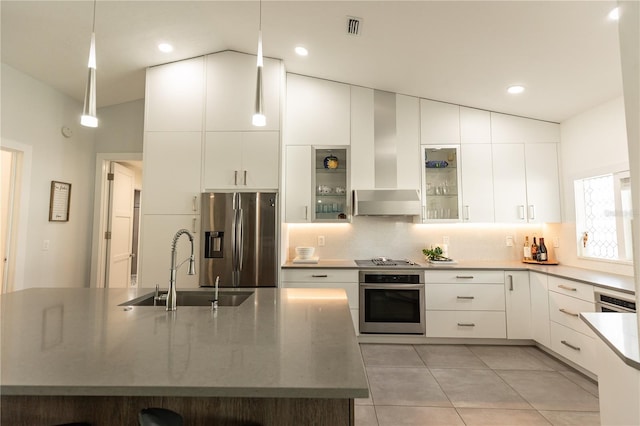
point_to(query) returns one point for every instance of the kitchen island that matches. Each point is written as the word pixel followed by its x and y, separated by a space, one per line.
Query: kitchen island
pixel 284 356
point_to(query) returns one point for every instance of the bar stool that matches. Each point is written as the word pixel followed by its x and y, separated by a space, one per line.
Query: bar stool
pixel 159 417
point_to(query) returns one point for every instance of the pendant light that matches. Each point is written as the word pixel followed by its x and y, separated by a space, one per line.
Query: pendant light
pixel 259 119
pixel 89 118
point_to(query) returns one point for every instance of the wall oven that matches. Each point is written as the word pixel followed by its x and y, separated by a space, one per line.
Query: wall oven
pixel 610 303
pixel 392 302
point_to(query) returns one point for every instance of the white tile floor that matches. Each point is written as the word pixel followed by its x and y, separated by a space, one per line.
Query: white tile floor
pixel 472 385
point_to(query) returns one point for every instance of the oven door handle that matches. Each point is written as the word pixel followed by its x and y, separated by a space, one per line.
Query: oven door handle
pixel 391 286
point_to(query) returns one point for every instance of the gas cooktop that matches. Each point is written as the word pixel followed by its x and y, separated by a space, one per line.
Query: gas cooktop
pixel 387 262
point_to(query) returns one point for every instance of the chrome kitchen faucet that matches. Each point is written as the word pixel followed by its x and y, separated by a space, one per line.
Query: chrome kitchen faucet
pixel 171 295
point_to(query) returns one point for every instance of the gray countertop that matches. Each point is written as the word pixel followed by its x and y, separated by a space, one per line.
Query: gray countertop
pixel 620 283
pixel 278 343
pixel 619 331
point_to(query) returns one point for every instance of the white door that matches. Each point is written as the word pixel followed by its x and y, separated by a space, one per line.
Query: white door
pixel 121 227
pixel 477 183
pixel 297 184
pixel 509 183
pixel 8 169
pixel 260 154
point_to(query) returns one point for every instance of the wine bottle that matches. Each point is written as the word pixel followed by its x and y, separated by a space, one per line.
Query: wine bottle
pixel 543 256
pixel 527 249
pixel 534 249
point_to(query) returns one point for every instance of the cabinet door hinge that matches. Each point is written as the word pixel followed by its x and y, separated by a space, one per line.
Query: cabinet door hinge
pixel 107 235
pixel 109 176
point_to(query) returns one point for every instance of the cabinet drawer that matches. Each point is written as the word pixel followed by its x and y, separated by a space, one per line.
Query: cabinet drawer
pixel 571 288
pixel 464 277
pixel 320 275
pixel 465 297
pixel 574 346
pixel 350 288
pixel 481 324
pixel 565 310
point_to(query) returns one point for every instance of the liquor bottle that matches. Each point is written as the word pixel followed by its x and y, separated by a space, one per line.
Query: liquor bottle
pixel 527 249
pixel 543 256
pixel 534 249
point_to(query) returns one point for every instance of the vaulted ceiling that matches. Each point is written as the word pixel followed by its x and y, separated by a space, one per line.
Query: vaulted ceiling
pixel 466 52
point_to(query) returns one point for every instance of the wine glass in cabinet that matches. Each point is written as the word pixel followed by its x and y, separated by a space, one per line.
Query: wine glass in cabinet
pixel 441 183
pixel 331 185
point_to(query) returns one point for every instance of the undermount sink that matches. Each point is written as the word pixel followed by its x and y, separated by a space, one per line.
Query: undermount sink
pixel 192 298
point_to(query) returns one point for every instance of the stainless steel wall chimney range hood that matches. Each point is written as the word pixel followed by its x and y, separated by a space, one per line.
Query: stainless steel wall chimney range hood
pixel 386 202
pixel 386 199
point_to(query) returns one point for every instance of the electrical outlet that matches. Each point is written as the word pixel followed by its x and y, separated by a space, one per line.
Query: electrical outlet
pixel 445 240
pixel 556 242
pixel 509 241
pixel 45 245
pixel 320 240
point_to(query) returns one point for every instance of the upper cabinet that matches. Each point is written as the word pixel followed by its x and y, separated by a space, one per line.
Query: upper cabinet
pixel 231 91
pixel 477 183
pixel 439 123
pixel 512 129
pixel 241 160
pixel 543 183
pixel 174 98
pixel 475 126
pixel 317 112
pixel 385 134
pixel 441 183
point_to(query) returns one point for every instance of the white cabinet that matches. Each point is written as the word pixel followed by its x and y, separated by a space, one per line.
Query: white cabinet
pixel 465 304
pixel 518 304
pixel 317 112
pixel 155 260
pixel 509 183
pixel 540 308
pixel 439 123
pixel 403 168
pixel 346 279
pixel 477 183
pixel 570 336
pixel 241 160
pixel 543 184
pixel 231 92
pixel 475 126
pixel 298 184
pixel 171 175
pixel 174 96
pixel 512 129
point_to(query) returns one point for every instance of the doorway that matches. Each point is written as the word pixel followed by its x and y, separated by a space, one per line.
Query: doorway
pixel 114 261
pixel 9 214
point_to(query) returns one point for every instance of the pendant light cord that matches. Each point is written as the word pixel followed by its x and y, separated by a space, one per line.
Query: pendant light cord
pixel 260 18
pixel 93 28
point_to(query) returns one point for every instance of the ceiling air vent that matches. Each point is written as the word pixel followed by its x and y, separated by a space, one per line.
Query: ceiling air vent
pixel 353 25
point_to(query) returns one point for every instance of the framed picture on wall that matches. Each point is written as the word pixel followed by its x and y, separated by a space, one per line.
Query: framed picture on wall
pixel 59 201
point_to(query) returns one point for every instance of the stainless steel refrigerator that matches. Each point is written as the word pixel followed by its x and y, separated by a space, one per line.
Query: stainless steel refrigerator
pixel 239 239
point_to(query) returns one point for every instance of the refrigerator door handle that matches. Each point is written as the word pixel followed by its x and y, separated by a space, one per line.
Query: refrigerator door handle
pixel 234 241
pixel 240 240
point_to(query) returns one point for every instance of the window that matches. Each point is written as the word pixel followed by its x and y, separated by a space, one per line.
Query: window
pixel 603 216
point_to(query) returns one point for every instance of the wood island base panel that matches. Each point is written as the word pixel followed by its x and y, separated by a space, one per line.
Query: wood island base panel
pixel 123 410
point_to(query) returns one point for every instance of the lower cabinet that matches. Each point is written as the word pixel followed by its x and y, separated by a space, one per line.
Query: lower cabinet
pixel 540 308
pixel 467 304
pixel 518 304
pixel 346 279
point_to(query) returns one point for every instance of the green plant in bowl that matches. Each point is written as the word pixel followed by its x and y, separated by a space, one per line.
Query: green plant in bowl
pixel 435 253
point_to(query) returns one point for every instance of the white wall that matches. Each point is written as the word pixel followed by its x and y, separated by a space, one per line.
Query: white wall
pixel 121 128
pixel 593 142
pixel 33 114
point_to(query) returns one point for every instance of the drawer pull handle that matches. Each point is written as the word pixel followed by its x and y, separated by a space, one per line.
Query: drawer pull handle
pixel 466 297
pixel 510 282
pixel 562 286
pixel 564 342
pixel 320 276
pixel 564 311
pixel 468 277
pixel 195 203
pixel 466 324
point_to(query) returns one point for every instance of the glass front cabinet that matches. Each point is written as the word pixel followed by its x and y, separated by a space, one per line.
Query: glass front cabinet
pixel 441 201
pixel 331 193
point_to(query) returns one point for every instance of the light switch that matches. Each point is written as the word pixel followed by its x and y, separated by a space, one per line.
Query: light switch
pixel 509 241
pixel 320 240
pixel 45 245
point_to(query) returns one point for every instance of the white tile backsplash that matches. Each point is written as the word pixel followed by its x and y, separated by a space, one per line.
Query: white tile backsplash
pixel 395 237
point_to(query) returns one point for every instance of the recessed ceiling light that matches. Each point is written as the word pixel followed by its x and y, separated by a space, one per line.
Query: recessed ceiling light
pixel 514 90
pixel 165 47
pixel 301 51
pixel 614 15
